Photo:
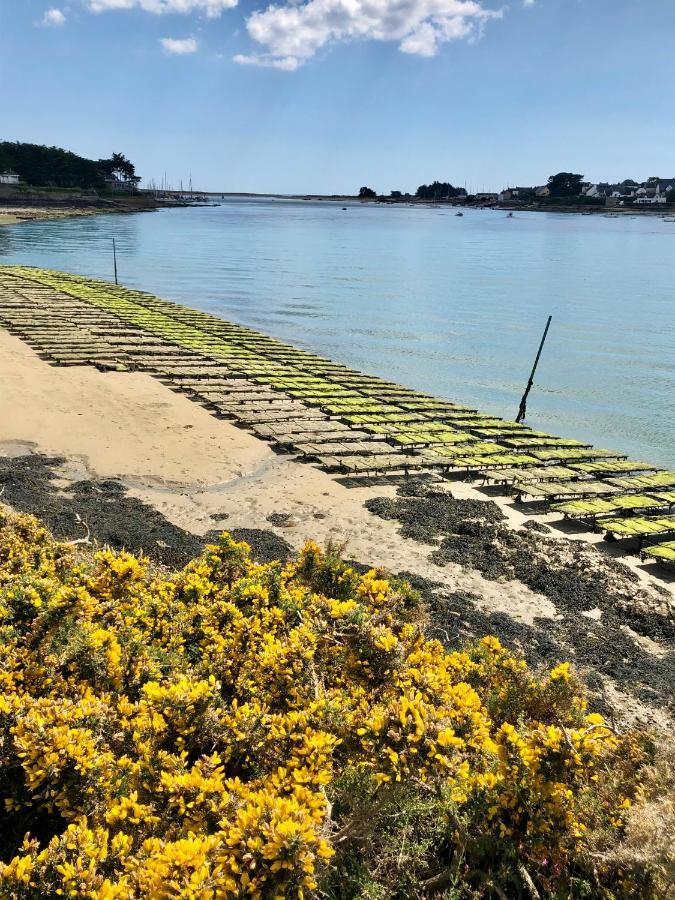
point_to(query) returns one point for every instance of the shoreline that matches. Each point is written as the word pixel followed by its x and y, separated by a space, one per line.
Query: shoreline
pixel 506 206
pixel 41 207
pixel 182 472
pixel 17 215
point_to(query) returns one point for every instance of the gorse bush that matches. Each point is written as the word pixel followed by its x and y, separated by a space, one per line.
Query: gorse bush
pixel 243 730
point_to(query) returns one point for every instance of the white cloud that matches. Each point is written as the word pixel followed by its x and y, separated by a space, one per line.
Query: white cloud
pixel 179 46
pixel 211 8
pixel 292 34
pixel 529 2
pixel 54 17
pixel 287 63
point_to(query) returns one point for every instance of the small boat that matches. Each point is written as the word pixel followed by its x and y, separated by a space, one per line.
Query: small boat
pixel 669 218
pixel 459 214
pixel 510 215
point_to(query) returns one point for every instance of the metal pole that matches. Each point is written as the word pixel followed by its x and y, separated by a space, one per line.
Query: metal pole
pixel 115 259
pixel 523 402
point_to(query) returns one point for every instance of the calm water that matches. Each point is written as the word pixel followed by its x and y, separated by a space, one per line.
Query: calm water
pixel 450 305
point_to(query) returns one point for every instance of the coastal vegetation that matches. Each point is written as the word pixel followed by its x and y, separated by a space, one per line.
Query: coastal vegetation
pixel 565 184
pixel 288 730
pixel 53 167
pixel 438 190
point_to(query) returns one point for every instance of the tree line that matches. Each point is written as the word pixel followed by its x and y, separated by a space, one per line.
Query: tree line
pixel 438 190
pixel 53 167
pixel 564 184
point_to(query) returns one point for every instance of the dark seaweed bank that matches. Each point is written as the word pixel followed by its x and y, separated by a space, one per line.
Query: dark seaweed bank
pixel 602 612
pixel 103 509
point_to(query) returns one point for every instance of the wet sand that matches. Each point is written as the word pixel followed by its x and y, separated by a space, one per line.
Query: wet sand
pixel 43 209
pixel 14 215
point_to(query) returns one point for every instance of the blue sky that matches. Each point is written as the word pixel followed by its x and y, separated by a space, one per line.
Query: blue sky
pixel 328 95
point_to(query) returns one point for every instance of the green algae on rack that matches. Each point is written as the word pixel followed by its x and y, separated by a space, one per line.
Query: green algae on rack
pixel 348 421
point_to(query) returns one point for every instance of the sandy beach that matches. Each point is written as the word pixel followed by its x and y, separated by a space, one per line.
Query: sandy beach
pixel 199 473
pixel 44 209
pixel 14 215
pixel 192 467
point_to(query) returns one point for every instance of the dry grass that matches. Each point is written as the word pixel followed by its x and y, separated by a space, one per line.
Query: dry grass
pixel 648 842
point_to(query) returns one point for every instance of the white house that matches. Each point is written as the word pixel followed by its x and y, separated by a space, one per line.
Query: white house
pixel 9 177
pixel 650 201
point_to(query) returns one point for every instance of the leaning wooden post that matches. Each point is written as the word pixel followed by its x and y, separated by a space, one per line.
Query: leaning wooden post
pixel 115 259
pixel 523 402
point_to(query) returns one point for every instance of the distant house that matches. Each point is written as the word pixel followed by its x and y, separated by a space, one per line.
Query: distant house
pixel 623 191
pixel 114 183
pixel 543 191
pixel 662 187
pixel 9 177
pixel 650 199
pixel 518 193
pixel 603 189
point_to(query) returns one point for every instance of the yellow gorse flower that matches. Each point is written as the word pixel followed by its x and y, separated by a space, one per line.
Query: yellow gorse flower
pixel 192 732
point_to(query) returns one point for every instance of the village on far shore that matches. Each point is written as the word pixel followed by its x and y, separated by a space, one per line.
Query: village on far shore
pixel 565 189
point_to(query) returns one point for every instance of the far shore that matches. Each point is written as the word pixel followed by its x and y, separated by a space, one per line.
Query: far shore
pixel 507 206
pixel 43 208
pixel 581 209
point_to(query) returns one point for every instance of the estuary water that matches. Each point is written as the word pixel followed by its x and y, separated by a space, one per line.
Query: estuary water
pixel 447 304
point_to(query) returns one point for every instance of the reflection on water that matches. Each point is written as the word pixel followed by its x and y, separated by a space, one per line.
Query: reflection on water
pixel 450 305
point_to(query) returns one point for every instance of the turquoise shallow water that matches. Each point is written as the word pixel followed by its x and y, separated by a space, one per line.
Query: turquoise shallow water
pixel 446 304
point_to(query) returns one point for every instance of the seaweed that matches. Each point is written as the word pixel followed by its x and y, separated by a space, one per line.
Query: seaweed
pixel 576 577
pixel 103 509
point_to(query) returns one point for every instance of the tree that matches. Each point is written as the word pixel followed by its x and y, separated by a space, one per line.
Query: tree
pixel 53 167
pixel 121 166
pixel 367 193
pixel 396 195
pixel 565 184
pixel 670 195
pixel 439 190
pixel 50 166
